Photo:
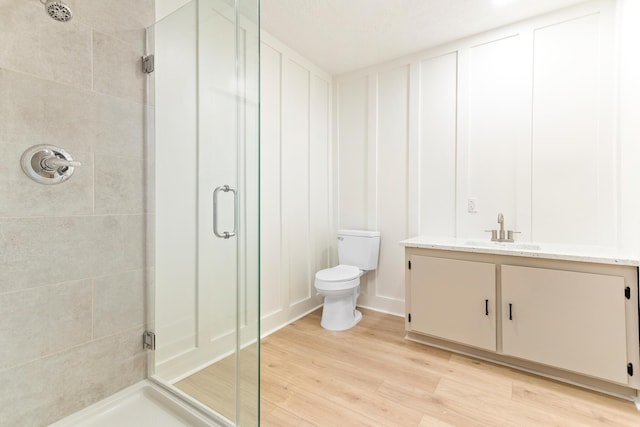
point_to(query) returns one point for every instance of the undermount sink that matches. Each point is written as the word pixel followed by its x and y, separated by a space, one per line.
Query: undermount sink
pixel 504 245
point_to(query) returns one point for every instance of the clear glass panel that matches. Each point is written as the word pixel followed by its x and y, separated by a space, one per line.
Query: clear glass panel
pixel 206 90
pixel 248 49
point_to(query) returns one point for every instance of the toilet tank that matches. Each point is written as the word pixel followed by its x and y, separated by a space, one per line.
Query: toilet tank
pixel 359 248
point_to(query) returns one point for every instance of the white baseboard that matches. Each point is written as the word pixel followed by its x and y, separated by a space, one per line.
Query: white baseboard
pixel 290 321
pixel 380 310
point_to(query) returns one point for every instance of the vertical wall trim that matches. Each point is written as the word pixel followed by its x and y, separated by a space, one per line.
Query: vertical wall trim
pixel 532 123
pixel 311 251
pixel 336 169
pixel 414 151
pixel 372 149
pixel 284 290
pixel 371 166
pixel 532 65
pixel 462 139
pixel 407 142
pixel 456 137
pixel 619 45
pixel 329 171
pixel 611 46
pixel 284 253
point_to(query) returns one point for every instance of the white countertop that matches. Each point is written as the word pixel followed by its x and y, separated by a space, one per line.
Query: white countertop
pixel 594 254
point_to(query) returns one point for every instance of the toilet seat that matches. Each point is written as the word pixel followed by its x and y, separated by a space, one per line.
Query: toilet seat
pixel 338 278
pixel 338 273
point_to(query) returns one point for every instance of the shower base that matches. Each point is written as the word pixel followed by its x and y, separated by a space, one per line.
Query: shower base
pixel 142 405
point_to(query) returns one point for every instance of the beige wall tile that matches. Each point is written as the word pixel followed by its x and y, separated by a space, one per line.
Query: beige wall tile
pixel 122 19
pixel 35 44
pixel 119 302
pixel 65 53
pixel 119 127
pixel 102 368
pixel 120 185
pixel 30 395
pixel 50 388
pixel 63 320
pixel 22 196
pixel 38 251
pixel 36 111
pixel 117 69
pixel 67 274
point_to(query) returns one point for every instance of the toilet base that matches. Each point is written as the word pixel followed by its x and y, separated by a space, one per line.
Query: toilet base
pixel 358 317
pixel 339 314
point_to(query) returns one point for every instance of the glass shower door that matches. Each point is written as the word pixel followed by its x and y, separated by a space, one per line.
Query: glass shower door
pixel 206 299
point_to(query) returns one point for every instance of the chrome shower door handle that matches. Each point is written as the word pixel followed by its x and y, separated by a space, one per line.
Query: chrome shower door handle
pixel 225 189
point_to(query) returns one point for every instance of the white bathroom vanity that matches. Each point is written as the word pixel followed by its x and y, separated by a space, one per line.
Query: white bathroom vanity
pixel 565 312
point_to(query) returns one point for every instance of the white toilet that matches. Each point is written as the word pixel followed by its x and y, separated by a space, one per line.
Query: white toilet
pixel 340 286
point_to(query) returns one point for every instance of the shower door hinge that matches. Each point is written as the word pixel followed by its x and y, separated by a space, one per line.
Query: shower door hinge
pixel 148 64
pixel 148 341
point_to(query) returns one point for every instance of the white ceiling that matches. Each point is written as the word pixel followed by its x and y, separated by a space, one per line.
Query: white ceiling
pixel 344 35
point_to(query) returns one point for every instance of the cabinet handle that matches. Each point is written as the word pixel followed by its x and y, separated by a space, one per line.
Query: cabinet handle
pixel 510 314
pixel 486 307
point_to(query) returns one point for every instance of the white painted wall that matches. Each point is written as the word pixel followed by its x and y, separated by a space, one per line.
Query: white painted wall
pixel 521 118
pixel 435 213
pixel 388 198
pixel 296 206
pixel 496 96
pixel 372 192
pixel 353 162
pixel 415 138
pixel 573 143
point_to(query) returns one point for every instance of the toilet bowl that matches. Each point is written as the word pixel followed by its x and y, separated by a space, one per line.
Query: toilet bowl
pixel 340 286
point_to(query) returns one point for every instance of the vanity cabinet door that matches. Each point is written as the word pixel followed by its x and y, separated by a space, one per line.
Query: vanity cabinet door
pixel 454 300
pixel 574 321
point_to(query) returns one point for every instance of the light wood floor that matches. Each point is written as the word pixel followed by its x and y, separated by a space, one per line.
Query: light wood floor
pixel 371 376
pixel 215 386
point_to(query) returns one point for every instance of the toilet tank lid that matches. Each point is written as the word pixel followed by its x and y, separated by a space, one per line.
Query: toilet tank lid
pixel 361 233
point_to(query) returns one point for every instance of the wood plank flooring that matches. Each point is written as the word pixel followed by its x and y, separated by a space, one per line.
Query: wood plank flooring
pixel 215 387
pixel 371 376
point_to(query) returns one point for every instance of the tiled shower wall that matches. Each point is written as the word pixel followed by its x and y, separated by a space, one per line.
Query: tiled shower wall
pixel 73 259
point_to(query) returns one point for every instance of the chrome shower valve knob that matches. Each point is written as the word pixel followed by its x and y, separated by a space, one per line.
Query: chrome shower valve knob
pixel 56 163
pixel 48 164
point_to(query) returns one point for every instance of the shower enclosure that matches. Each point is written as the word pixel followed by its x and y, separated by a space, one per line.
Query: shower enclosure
pixel 204 193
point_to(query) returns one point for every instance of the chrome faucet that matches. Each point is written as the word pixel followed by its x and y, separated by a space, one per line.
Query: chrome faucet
pixel 499 235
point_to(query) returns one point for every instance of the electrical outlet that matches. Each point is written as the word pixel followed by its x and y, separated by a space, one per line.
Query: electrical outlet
pixel 472 205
